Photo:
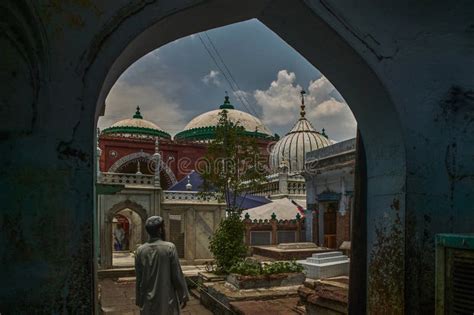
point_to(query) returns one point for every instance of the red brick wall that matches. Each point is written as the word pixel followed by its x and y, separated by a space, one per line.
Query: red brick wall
pixel 184 154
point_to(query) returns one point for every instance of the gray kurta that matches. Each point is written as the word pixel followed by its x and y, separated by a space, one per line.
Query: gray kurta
pixel 160 282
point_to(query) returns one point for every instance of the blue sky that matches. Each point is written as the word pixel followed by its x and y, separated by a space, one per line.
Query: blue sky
pixel 180 80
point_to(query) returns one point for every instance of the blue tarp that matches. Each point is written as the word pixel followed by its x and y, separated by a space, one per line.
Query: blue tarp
pixel 251 201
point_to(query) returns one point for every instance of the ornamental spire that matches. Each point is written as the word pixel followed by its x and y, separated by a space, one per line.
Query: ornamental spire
pixel 302 112
pixel 227 104
pixel 138 114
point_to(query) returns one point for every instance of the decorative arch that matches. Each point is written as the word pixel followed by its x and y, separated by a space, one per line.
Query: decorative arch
pixel 137 155
pixel 344 59
pixel 126 204
pixel 106 251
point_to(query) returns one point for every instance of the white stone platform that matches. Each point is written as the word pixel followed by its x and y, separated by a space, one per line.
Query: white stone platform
pixel 326 265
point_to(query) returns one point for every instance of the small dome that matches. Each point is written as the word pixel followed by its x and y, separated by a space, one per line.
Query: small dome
pixel 202 127
pixel 136 126
pixel 291 150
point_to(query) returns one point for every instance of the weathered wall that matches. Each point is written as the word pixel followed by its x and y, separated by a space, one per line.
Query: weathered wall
pixel 404 68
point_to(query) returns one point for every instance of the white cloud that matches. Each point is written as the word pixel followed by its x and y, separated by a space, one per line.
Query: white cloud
pixel 325 108
pixel 123 99
pixel 212 77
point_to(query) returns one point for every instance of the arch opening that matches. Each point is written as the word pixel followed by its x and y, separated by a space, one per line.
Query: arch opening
pixel 123 232
pixel 356 81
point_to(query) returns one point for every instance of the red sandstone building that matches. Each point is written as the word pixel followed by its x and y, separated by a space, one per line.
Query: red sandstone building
pixel 127 145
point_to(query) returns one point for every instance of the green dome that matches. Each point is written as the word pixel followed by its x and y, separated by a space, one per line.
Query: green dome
pixel 203 127
pixel 136 126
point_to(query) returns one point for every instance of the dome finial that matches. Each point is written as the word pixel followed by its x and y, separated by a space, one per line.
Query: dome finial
pixel 138 114
pixel 323 132
pixel 227 104
pixel 302 112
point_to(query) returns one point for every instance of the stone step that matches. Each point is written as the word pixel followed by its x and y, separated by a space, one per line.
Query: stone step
pixel 326 260
pixel 116 273
pixel 326 264
pixel 327 254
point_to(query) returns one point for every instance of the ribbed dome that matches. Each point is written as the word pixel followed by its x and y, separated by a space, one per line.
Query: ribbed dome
pixel 291 150
pixel 203 126
pixel 136 126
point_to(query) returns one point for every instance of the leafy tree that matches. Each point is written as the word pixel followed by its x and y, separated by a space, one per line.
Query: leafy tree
pixel 233 163
pixel 227 244
pixel 233 167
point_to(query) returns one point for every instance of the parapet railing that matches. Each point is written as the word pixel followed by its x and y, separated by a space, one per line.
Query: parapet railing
pixel 125 179
pixel 295 186
pixel 185 196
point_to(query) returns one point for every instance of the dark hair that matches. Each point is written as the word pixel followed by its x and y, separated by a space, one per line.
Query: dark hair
pixel 156 230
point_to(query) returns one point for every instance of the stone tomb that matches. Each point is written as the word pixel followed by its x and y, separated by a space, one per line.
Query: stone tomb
pixel 326 265
pixel 288 251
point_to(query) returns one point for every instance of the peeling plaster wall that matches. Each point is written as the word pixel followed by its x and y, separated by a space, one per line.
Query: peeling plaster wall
pixel 404 68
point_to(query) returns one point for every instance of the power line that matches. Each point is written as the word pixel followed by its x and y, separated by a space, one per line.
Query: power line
pixel 243 98
pixel 223 72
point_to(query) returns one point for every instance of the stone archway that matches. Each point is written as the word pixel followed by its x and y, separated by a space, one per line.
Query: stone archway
pixel 404 70
pixel 350 72
pixel 106 237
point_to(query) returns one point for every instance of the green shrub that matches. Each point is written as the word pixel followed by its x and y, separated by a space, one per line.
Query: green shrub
pixel 254 268
pixel 247 268
pixel 227 244
pixel 282 267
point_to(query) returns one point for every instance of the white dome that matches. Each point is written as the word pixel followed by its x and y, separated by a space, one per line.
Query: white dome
pixel 199 124
pixel 136 126
pixel 211 118
pixel 290 151
pixel 137 123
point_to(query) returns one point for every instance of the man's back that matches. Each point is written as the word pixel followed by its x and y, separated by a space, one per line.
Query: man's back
pixel 160 282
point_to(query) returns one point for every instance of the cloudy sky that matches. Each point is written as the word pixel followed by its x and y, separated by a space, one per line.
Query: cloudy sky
pixel 180 80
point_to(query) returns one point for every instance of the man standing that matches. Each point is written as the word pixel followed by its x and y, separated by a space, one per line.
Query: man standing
pixel 161 287
pixel 119 235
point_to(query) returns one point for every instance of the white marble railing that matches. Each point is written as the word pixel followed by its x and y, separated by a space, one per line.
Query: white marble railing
pixel 179 196
pixel 126 179
pixel 296 188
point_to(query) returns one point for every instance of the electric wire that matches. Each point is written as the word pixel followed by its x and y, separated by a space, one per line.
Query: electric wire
pixel 242 97
pixel 231 82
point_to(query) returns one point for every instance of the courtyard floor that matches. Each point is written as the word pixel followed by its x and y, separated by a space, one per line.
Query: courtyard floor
pixel 118 297
pixel 122 259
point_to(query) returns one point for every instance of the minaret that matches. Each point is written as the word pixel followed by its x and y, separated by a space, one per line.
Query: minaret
pixel 157 158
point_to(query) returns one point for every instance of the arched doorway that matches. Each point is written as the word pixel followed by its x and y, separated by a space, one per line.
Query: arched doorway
pixel 413 121
pixel 124 230
pixel 127 235
pixel 379 123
